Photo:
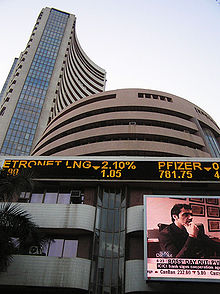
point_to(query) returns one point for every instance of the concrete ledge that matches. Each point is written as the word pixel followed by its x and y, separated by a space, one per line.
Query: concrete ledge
pixel 47 271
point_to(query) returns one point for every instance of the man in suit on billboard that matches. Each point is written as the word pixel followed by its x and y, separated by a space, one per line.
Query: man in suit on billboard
pixel 184 239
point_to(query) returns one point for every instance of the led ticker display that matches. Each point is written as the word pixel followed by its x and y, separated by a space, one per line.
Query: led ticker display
pixel 118 170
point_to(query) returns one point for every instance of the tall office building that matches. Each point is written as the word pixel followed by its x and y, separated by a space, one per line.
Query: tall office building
pixel 52 72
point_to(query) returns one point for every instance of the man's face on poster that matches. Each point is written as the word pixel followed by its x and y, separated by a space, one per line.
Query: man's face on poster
pixel 184 218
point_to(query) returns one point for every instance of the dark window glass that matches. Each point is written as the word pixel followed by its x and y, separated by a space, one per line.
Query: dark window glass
pixel 116 245
pixel 111 200
pixel 117 220
pixel 102 244
pixel 105 199
pixel 115 262
pixel 104 219
pixel 107 271
pixel 111 220
pixel 108 241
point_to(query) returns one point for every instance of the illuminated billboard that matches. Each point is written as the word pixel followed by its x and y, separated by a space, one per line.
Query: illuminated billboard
pixel 182 238
pixel 118 168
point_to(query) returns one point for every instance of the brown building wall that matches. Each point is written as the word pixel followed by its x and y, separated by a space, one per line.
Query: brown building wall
pixel 129 122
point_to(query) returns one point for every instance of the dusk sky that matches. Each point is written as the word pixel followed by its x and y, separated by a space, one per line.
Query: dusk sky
pixel 167 45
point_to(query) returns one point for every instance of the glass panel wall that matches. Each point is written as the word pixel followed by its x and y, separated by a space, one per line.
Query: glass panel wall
pixel 212 142
pixel 108 254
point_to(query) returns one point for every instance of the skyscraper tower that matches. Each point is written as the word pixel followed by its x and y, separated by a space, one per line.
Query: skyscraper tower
pixel 52 72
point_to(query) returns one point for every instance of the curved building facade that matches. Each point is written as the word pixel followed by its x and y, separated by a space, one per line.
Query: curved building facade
pixel 134 122
pixel 80 76
pixel 51 73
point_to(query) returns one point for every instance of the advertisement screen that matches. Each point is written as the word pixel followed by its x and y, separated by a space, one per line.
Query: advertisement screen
pixel 182 238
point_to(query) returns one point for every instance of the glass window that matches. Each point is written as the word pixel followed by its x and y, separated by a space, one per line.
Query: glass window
pixel 108 241
pixel 115 272
pixel 102 244
pixel 104 220
pixel 98 212
pixel 111 200
pixel 117 220
pixel 56 248
pixel 64 198
pixel 111 220
pixel 50 198
pixel 36 198
pixel 116 245
pixel 118 200
pixel 107 271
pixel 212 142
pixel 122 218
pixel 100 269
pixel 70 248
pixel 105 199
pixel 122 241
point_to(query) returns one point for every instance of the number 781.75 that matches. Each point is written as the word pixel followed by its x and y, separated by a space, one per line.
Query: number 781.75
pixel 181 174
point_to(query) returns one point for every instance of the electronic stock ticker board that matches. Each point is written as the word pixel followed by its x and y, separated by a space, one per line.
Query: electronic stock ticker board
pixel 118 169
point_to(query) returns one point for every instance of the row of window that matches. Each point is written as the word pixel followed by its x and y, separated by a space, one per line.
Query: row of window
pixel 31 101
pixel 205 114
pixel 51 40
pixel 34 81
pixel 74 197
pixel 153 96
pixel 28 126
pixel 20 118
pixel 25 143
pixel 47 45
pixel 58 248
pixel 39 93
pixel 28 110
pixel 55 31
pixel 45 54
pixel 44 68
pixel 41 58
pixel 108 123
pixel 18 127
pixel 24 151
pixel 121 137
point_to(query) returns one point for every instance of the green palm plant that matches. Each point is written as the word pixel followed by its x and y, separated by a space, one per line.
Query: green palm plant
pixel 17 230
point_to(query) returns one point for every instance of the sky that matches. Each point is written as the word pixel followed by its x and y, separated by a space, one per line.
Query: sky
pixel 166 45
